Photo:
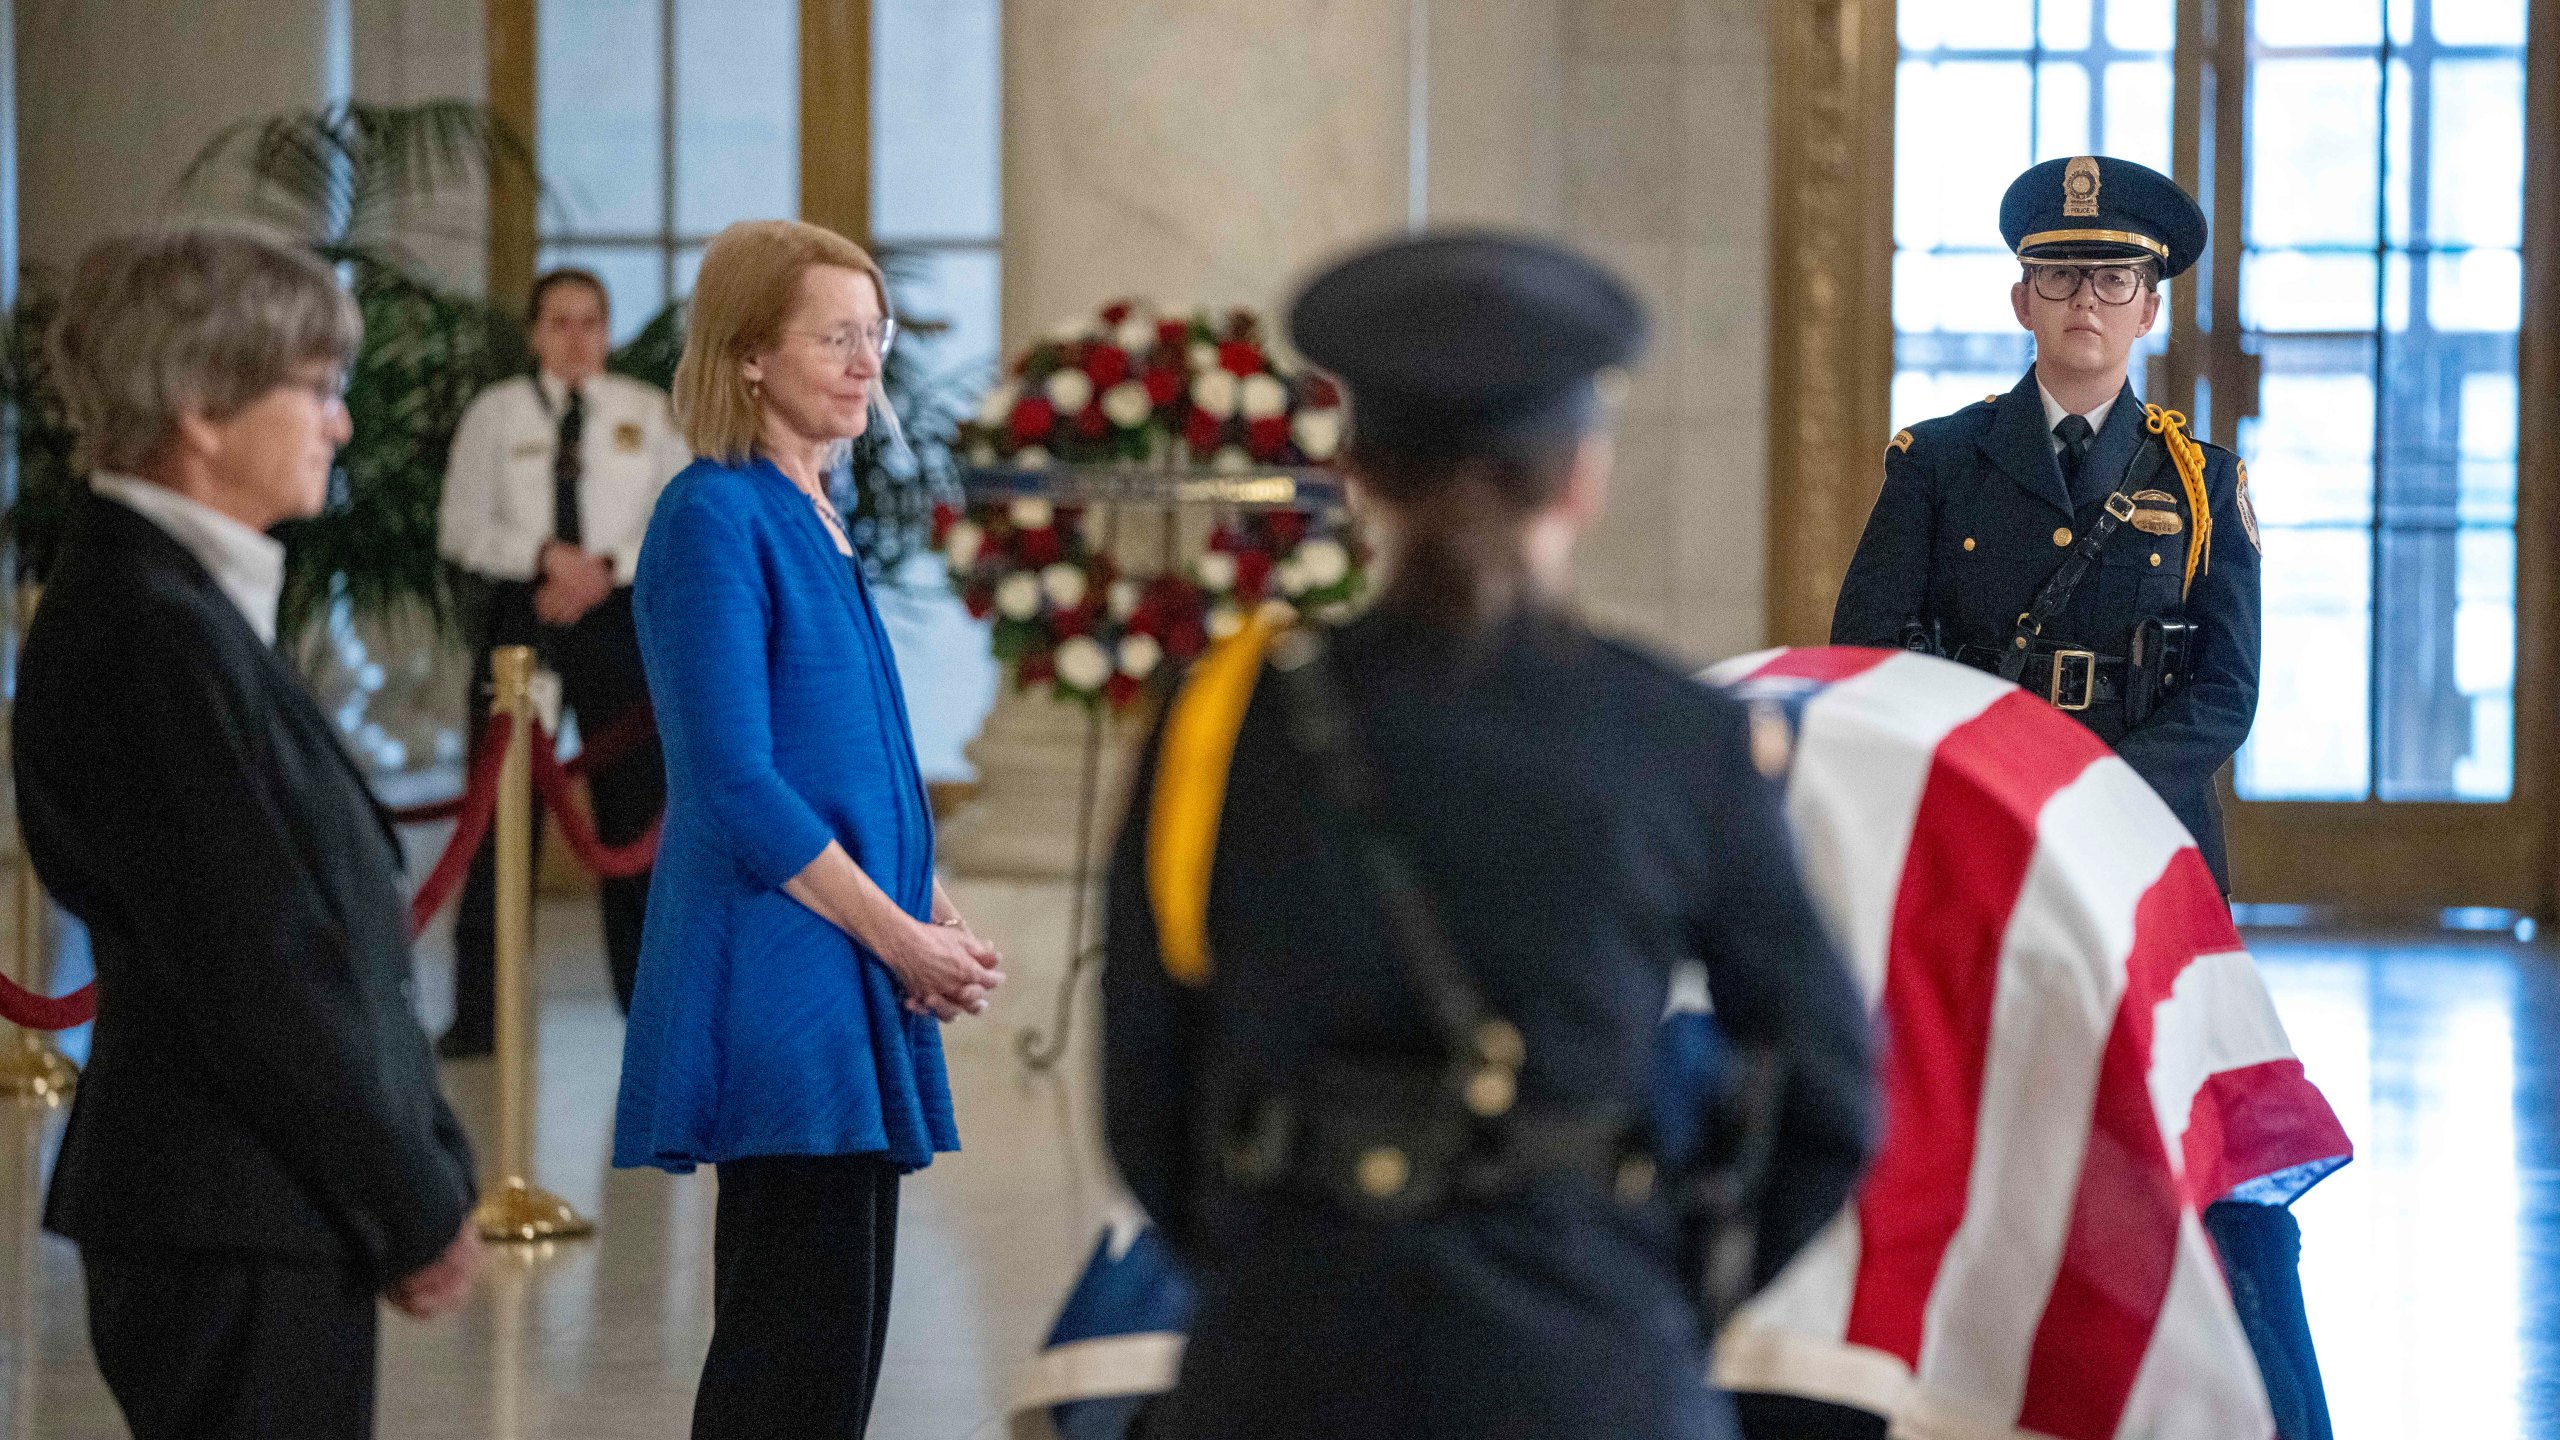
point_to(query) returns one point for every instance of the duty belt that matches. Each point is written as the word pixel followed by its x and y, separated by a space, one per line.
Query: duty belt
pixel 2071 678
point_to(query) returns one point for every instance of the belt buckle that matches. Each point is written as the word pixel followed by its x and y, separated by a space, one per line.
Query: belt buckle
pixel 2055 689
pixel 2120 505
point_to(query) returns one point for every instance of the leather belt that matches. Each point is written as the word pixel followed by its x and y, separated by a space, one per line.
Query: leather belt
pixel 2071 679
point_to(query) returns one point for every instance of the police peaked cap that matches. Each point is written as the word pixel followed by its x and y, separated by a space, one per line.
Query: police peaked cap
pixel 1464 343
pixel 2096 207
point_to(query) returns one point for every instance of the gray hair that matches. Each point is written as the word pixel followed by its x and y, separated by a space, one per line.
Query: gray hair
pixel 203 318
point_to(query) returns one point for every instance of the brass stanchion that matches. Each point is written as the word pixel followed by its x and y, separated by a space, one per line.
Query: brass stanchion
pixel 31 1068
pixel 514 1208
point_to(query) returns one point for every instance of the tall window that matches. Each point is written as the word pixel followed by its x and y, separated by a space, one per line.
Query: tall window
pixel 937 83
pixel 659 122
pixel 1987 88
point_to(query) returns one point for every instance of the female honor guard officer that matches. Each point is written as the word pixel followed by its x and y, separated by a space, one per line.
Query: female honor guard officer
pixel 1393 917
pixel 547 493
pixel 2066 536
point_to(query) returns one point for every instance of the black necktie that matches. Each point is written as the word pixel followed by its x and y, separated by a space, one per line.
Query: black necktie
pixel 567 464
pixel 2074 433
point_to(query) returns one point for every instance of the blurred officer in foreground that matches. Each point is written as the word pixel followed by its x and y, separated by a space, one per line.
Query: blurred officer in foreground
pixel 1393 917
pixel 2066 536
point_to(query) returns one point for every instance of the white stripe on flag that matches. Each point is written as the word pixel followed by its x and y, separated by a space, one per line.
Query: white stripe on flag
pixel 2197 1377
pixel 2218 1017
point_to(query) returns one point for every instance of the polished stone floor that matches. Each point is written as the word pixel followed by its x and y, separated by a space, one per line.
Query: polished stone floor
pixel 2432 1264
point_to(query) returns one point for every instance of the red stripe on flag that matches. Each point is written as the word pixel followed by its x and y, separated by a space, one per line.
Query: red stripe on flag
pixel 2123 1241
pixel 2255 1121
pixel 1971 843
pixel 1828 664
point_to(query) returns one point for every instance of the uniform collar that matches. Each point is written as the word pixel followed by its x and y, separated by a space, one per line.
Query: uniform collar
pixel 248 565
pixel 555 391
pixel 2053 411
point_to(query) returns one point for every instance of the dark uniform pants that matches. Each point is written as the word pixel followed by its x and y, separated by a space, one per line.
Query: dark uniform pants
pixel 598 661
pixel 226 1345
pixel 802 1252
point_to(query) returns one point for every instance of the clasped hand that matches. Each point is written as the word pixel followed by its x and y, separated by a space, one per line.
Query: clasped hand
pixel 573 583
pixel 945 970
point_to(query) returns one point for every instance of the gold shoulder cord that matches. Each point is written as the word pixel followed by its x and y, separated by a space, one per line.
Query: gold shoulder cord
pixel 1191 793
pixel 2188 456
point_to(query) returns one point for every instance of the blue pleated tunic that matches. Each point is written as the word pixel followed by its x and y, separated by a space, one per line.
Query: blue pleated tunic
pixel 757 1027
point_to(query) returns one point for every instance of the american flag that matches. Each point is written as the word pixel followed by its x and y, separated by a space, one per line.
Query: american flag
pixel 2079 1056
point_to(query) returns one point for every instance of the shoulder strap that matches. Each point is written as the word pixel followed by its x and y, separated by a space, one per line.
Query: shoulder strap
pixel 2055 596
pixel 1191 794
pixel 2188 457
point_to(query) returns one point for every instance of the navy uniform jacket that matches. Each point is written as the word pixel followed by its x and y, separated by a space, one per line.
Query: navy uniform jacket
pixel 1586 819
pixel 1964 534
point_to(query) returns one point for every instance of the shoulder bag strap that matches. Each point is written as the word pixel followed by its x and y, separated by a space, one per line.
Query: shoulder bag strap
pixel 2059 587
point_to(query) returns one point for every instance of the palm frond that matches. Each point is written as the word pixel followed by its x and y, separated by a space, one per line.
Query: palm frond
pixel 339 177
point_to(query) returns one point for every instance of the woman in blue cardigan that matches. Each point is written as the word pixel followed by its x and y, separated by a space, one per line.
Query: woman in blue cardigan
pixel 799 955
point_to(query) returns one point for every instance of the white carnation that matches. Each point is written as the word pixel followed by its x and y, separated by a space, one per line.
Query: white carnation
pixel 1216 571
pixel 1265 398
pixel 1214 391
pixel 1202 355
pixel 1233 460
pixel 1277 613
pixel 997 408
pixel 1070 390
pixel 1318 432
pixel 1123 598
pixel 1033 513
pixel 1139 656
pixel 1137 333
pixel 960 548
pixel 1224 621
pixel 1071 329
pixel 1323 562
pixel 1291 575
pixel 1083 664
pixel 1128 404
pixel 1018 596
pixel 1064 584
pixel 1031 457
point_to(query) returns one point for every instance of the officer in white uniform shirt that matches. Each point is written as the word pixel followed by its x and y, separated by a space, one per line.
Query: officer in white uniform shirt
pixel 546 497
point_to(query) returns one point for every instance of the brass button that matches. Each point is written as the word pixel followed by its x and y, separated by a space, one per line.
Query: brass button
pixel 1490 1091
pixel 1968 542
pixel 2155 557
pixel 2062 536
pixel 1384 1172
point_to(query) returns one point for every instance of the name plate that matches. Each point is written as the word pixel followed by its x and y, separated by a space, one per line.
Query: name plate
pixel 1269 488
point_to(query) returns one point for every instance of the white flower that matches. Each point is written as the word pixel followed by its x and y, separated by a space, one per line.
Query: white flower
pixel 1031 457
pixel 1265 398
pixel 1123 598
pixel 1033 513
pixel 1128 404
pixel 997 408
pixel 1064 584
pixel 1139 656
pixel 983 454
pixel 1202 355
pixel 1070 390
pixel 960 548
pixel 1318 432
pixel 1216 571
pixel 1018 596
pixel 1083 664
pixel 1224 621
pixel 1233 460
pixel 1277 612
pixel 1323 562
pixel 1215 392
pixel 1291 575
pixel 1137 334
pixel 1071 329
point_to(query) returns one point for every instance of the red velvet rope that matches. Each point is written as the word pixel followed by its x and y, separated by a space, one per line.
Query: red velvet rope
pixel 634 729
pixel 474 809
pixel 612 862
pixel 24 1007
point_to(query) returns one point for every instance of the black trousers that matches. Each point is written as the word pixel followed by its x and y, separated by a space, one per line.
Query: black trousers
pixel 598 661
pixel 801 1260
pixel 216 1344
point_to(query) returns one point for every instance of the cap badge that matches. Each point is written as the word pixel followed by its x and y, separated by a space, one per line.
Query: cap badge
pixel 2080 188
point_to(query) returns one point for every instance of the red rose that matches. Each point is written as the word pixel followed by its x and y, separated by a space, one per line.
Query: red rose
pixel 1107 366
pixel 1267 439
pixel 1286 528
pixel 981 600
pixel 1186 637
pixel 1204 431
pixel 1164 385
pixel 1041 547
pixel 1226 539
pixel 1240 357
pixel 944 517
pixel 1173 334
pixel 1120 690
pixel 1115 312
pixel 1092 424
pixel 1322 393
pixel 1253 574
pixel 1033 418
pixel 1038 668
pixel 1068 624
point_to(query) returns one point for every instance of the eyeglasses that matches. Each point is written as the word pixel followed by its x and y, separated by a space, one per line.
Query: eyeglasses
pixel 839 345
pixel 2112 284
pixel 329 386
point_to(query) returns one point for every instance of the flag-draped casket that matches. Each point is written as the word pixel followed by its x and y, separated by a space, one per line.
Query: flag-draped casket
pixel 2079 1056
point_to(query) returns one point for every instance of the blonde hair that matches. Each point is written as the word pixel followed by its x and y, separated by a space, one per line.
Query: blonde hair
pixel 749 281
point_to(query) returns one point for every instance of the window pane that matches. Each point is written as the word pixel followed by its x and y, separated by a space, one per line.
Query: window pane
pixel 936 109
pixel 2487 446
pixel 955 288
pixel 597 120
pixel 2062 110
pixel 634 282
pixel 2311 738
pixel 2297 290
pixel 2063 24
pixel 1962 134
pixel 2139 125
pixel 1923 395
pixel 2475 290
pixel 1967 293
pixel 2475 164
pixel 1967 24
pixel 2478 22
pixel 688 269
pixel 2310 451
pixel 2319 22
pixel 2448 664
pixel 2142 24
pixel 737 112
pixel 2314 128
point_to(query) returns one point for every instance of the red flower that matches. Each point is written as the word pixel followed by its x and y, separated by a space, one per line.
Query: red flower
pixel 1041 547
pixel 1240 357
pixel 1286 528
pixel 1033 418
pixel 1115 312
pixel 1225 538
pixel 1164 385
pixel 1067 624
pixel 1322 393
pixel 1107 366
pixel 1039 668
pixel 1092 424
pixel 1267 439
pixel 1173 334
pixel 1204 431
pixel 1186 637
pixel 981 600
pixel 1253 573
pixel 1068 516
pixel 1240 324
pixel 1120 690
pixel 944 517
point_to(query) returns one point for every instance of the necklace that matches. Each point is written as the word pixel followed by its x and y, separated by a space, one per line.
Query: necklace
pixel 835 527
